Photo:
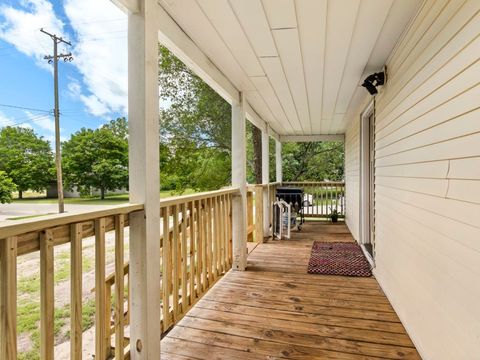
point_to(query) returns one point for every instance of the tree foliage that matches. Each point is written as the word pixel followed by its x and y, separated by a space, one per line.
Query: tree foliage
pixel 26 158
pixel 195 130
pixel 313 161
pixel 97 159
pixel 7 187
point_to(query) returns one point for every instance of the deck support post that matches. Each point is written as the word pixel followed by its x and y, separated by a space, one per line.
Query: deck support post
pixel 144 276
pixel 239 179
pixel 278 161
pixel 266 180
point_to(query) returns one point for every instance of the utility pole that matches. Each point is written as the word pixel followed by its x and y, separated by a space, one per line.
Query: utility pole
pixel 58 156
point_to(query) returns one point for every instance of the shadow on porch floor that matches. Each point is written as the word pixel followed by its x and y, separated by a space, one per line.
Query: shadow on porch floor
pixel 275 310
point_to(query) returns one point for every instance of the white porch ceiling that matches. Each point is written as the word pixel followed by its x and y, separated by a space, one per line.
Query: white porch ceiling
pixel 299 63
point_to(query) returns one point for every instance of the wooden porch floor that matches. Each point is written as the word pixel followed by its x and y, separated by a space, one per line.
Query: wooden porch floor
pixel 275 310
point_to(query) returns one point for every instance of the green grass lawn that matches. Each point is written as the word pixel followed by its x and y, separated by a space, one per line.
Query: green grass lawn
pixel 95 200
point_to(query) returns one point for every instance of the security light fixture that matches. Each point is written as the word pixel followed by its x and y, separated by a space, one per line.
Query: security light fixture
pixel 374 80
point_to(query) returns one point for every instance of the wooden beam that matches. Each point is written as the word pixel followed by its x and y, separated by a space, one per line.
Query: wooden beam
pixel 144 273
pixel 239 179
pixel 311 138
pixel 128 6
pixel 177 41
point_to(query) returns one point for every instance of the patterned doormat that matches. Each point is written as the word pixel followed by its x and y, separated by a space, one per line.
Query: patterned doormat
pixel 338 258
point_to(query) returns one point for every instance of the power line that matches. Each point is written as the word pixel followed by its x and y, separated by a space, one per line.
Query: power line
pixel 27 120
pixel 25 108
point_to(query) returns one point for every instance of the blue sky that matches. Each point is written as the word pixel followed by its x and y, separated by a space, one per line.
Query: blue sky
pixel 93 88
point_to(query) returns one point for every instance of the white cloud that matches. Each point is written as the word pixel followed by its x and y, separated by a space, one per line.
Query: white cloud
pixel 94 105
pixel 21 28
pixel 8 121
pixel 99 46
pixel 45 122
pixel 100 54
pixel 74 88
pixel 5 120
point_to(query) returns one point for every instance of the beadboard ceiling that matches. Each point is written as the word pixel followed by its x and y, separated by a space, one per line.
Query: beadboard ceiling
pixel 299 63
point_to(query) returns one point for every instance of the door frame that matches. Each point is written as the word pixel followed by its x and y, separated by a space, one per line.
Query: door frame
pixel 367 181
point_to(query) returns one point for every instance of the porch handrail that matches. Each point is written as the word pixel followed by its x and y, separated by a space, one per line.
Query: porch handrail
pixel 21 227
pixel 196 252
pixel 175 200
pixel 314 182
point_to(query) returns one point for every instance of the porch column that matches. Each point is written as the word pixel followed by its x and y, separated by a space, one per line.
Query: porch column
pixel 144 275
pixel 278 161
pixel 239 179
pixel 266 180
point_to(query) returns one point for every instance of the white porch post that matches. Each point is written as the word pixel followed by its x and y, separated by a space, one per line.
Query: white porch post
pixel 266 180
pixel 239 179
pixel 278 161
pixel 144 181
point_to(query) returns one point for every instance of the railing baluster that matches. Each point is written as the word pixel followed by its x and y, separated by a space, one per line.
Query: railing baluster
pixel 175 263
pixel 184 258
pixel 213 231
pixel 119 286
pixel 76 292
pixel 222 224
pixel 166 271
pixel 8 298
pixel 205 245
pixel 218 238
pixel 100 290
pixel 209 242
pixel 108 315
pixel 200 240
pixel 192 253
pixel 47 302
pixel 230 232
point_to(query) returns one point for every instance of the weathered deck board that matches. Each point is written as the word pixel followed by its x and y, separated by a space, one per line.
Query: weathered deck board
pixel 275 310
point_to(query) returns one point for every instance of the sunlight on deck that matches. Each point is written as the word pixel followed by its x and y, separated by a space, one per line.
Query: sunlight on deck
pixel 275 310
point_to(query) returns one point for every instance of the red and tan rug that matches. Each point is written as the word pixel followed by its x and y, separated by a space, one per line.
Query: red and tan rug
pixel 338 258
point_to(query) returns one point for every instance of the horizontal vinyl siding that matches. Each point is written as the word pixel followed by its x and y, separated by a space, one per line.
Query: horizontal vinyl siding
pixel 352 178
pixel 427 180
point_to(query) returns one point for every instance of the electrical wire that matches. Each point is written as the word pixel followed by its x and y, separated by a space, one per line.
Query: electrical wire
pixel 26 108
pixel 33 119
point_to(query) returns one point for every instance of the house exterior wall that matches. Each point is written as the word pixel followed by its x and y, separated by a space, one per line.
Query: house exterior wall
pixel 352 178
pixel 427 180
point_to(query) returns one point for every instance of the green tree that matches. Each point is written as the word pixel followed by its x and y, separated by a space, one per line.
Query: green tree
pixel 195 130
pixel 313 161
pixel 7 187
pixel 97 159
pixel 26 158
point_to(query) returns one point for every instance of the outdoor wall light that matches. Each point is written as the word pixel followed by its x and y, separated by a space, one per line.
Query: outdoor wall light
pixel 374 80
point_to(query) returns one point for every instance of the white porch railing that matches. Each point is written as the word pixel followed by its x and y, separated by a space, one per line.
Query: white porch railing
pixel 321 198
